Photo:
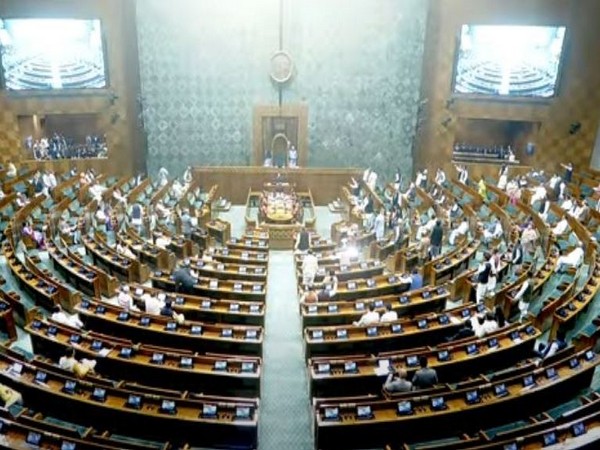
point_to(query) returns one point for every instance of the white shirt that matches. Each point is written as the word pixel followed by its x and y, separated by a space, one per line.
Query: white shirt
pixel 124 300
pixel 463 228
pixel 574 258
pixel 368 318
pixel 162 242
pixel 63 318
pixel 561 227
pixel 310 264
pixel 152 304
pixel 389 316
pixel 440 177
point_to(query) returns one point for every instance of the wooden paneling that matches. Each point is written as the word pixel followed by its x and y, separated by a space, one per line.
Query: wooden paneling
pixel 578 92
pixel 235 182
pixel 116 106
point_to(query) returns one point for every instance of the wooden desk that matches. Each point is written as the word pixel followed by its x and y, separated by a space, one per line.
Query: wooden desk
pixel 427 299
pixel 139 367
pixel 427 423
pixel 238 340
pixel 356 374
pixel 254 291
pixel 209 309
pixel 235 182
pixel 186 424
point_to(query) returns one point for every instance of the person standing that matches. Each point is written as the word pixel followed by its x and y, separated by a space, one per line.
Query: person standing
pixel 516 257
pixel 524 296
pixel 310 265
pixel 483 277
pixel 302 242
pixel 437 235
pixel 380 226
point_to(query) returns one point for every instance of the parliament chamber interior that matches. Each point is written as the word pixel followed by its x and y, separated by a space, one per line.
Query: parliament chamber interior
pixel 299 224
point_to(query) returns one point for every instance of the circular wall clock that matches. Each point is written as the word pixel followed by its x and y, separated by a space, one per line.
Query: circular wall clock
pixel 281 67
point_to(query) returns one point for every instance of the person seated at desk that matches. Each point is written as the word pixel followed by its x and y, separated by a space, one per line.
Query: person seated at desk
pixel 368 318
pixel 309 296
pixel 124 251
pixel 556 345
pixel 484 325
pixel 396 381
pixel 152 304
pixel 561 227
pixel 168 311
pixel 573 259
pixel 81 368
pixel 70 231
pixel 70 320
pixel 119 197
pixel 162 241
pixel 425 377
pixel 124 299
pixel 36 236
pixel 416 279
pixel 581 211
pixel 330 286
pixel 389 315
pixel 460 231
pixel 493 231
pixel 466 331
pixel 567 204
pixel 184 278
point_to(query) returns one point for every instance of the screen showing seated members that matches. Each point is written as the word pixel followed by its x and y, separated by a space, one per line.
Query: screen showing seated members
pixel 507 60
pixel 49 54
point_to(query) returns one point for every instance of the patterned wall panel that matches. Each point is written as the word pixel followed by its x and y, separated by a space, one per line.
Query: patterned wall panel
pixel 203 66
pixel 357 66
pixel 578 99
pixel 115 106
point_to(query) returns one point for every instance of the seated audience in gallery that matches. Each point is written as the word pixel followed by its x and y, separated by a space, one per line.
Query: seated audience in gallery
pixel 62 147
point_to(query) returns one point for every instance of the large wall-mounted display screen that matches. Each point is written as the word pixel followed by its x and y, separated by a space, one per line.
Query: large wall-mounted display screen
pixel 49 54
pixel 509 60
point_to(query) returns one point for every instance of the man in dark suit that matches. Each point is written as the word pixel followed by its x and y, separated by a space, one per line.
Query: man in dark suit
pixel 184 280
pixel 437 234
